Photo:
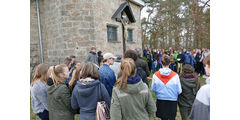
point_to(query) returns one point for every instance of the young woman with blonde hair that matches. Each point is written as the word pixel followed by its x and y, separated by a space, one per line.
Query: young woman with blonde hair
pixel 85 94
pixel 39 93
pixel 59 97
pixel 131 98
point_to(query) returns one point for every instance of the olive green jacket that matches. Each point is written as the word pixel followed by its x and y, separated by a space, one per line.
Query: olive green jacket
pixel 59 102
pixel 132 103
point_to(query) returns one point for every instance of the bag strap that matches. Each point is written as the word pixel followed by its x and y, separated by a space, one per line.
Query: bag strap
pixel 99 93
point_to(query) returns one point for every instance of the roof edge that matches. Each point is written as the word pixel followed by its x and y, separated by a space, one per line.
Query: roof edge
pixel 138 2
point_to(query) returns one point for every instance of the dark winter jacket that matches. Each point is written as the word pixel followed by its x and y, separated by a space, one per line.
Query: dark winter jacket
pixel 141 63
pixel 189 90
pixel 155 56
pixel 198 57
pixel 107 77
pixel 180 58
pixel 86 95
pixel 92 57
pixel 100 58
pixel 59 102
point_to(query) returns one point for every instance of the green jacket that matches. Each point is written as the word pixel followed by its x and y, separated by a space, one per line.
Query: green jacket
pixel 59 102
pixel 132 103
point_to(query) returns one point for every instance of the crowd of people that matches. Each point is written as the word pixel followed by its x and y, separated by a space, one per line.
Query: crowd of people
pixel 122 81
pixel 178 58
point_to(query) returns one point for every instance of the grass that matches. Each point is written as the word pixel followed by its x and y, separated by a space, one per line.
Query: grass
pixel 178 117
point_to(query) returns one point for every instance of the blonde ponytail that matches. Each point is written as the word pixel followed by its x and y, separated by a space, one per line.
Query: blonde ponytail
pixel 128 69
pixel 55 72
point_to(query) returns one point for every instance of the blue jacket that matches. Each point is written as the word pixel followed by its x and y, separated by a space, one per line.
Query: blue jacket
pixel 168 91
pixel 107 77
pixel 188 59
pixel 85 96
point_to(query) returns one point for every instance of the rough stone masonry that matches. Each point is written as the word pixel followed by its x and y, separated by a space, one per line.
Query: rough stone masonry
pixel 72 27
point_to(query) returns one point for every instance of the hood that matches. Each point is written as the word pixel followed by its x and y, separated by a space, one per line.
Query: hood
pixel 208 80
pixel 51 89
pixel 189 80
pixel 92 53
pixel 134 80
pixel 165 71
pixel 133 88
pixel 87 86
pixel 49 81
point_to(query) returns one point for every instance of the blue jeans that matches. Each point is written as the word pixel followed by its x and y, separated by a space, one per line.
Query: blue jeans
pixel 43 115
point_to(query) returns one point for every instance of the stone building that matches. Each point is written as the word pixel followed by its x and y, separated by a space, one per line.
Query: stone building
pixel 72 27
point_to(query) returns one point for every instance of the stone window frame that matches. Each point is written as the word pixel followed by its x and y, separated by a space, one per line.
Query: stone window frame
pixel 113 26
pixel 130 41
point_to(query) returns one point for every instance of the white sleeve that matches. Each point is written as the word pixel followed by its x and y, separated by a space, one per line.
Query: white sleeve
pixel 178 84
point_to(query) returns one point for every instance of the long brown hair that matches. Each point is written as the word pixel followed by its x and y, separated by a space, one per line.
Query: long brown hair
pixel 76 76
pixel 74 67
pixel 40 73
pixel 189 70
pixel 128 69
pixel 55 73
pixel 89 70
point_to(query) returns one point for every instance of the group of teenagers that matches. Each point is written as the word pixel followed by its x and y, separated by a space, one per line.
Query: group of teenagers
pixel 61 91
pixel 178 58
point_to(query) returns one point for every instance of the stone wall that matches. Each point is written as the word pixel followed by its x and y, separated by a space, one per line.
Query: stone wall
pixel 71 27
pixel 34 40
pixel 103 13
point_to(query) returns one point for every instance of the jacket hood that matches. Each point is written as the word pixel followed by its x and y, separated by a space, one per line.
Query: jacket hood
pixel 92 52
pixel 133 80
pixel 49 81
pixel 87 86
pixel 133 88
pixel 165 71
pixel 189 81
pixel 51 89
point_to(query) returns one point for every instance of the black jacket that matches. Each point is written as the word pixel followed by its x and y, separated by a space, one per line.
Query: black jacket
pixel 180 58
pixel 141 63
pixel 155 56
